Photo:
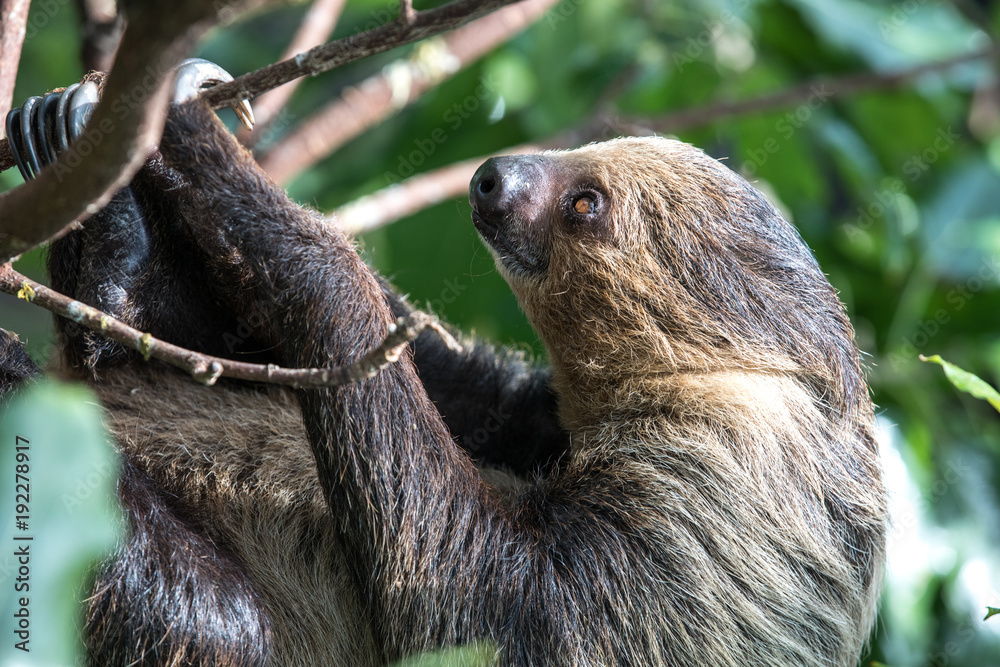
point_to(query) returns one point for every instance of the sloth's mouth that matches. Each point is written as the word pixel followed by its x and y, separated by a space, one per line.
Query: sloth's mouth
pixel 513 258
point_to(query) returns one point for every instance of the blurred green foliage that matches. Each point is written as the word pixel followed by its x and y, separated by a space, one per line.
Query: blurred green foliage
pixel 897 192
pixel 480 654
pixel 53 440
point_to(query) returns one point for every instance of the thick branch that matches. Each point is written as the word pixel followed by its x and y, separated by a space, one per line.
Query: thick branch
pixel 13 23
pixel 389 204
pixel 206 368
pixel 124 129
pixel 395 87
pixel 415 26
pixel 317 24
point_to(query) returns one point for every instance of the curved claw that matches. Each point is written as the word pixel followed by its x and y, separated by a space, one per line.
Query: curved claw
pixel 79 108
pixel 13 129
pixel 30 158
pixel 45 125
pixel 196 73
pixel 62 131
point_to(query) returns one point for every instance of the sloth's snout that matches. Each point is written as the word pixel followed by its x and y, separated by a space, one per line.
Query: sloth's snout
pixel 506 185
pixel 509 196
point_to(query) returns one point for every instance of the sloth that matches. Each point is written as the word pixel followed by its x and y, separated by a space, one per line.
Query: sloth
pixel 693 480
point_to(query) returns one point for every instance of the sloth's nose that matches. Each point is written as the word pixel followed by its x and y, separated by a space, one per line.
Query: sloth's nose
pixel 503 184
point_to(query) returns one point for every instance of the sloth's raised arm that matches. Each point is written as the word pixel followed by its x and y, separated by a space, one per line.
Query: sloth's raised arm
pixel 498 406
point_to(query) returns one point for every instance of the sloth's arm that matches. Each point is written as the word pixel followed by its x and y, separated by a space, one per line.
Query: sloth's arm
pixel 99 262
pixel 499 407
pixel 441 559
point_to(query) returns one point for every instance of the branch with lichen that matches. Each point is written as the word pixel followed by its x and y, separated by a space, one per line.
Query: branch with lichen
pixel 395 87
pixel 409 27
pixel 207 368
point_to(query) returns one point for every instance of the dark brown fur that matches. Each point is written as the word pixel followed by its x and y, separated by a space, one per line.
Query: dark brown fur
pixel 719 501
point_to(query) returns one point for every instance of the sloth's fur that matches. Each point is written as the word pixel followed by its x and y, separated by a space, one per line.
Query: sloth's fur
pixel 713 496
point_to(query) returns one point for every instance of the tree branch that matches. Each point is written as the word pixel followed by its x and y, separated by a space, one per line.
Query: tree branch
pixel 850 84
pixel 387 205
pixel 317 24
pixel 102 26
pixel 397 86
pixel 207 368
pixel 412 195
pixel 13 25
pixel 413 27
pixel 420 24
pixel 124 129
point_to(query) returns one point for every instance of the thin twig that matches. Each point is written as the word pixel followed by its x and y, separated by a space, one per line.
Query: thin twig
pixel 207 368
pixel 387 205
pixel 361 45
pixel 317 24
pixel 397 86
pixel 851 84
pixel 13 25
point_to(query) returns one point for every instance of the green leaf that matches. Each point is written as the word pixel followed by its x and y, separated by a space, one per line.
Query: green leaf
pixel 991 612
pixel 479 654
pixel 59 475
pixel 966 381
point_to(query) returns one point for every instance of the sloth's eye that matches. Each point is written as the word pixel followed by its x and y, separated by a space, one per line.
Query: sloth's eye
pixel 584 209
pixel 584 205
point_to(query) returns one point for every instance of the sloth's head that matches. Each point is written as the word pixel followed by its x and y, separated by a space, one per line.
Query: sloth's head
pixel 640 256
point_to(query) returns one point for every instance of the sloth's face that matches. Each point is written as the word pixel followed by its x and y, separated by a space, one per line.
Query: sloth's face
pixel 523 204
pixel 647 244
pixel 633 199
pixel 608 215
